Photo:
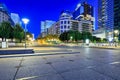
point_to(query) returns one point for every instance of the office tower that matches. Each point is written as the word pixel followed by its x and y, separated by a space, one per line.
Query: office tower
pixel 15 17
pixel 83 11
pixel 84 14
pixel 45 25
pixel 105 17
pixel 54 29
pixel 117 20
pixel 4 14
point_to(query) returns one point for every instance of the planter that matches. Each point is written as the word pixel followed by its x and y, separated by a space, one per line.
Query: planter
pixel 4 44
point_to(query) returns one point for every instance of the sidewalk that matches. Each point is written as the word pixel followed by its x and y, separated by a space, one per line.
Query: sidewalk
pixel 38 51
pixel 106 47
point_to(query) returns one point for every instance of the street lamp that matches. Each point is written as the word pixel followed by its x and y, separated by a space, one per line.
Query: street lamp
pixel 25 21
pixel 71 38
pixel 116 35
pixel 87 41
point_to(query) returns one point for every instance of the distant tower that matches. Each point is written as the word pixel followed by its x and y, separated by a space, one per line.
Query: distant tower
pixel 4 14
pixel 15 17
pixel 45 25
pixel 105 16
pixel 85 14
pixel 117 19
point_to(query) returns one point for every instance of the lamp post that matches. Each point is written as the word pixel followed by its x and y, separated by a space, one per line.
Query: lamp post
pixel 116 35
pixel 25 21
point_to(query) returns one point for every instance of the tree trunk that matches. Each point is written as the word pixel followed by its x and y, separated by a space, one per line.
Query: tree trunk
pixel 2 39
pixel 20 40
pixel 5 39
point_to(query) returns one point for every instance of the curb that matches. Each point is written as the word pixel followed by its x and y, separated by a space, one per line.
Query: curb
pixel 37 54
pixel 106 48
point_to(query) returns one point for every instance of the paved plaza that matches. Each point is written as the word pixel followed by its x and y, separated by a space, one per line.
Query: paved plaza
pixel 89 64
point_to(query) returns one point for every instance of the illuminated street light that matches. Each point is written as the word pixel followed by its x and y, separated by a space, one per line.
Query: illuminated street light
pixel 110 39
pixel 71 38
pixel 116 34
pixel 87 41
pixel 116 31
pixel 25 21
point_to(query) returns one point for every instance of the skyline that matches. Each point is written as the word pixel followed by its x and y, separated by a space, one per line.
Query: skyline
pixel 38 11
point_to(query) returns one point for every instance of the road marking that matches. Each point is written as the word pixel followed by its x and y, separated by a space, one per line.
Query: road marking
pixel 115 63
pixel 26 78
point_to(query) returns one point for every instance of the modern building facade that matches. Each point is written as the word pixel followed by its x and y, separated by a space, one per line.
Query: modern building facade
pixel 45 25
pixel 106 17
pixel 80 20
pixel 84 14
pixel 15 17
pixel 54 29
pixel 65 21
pixel 4 14
pixel 83 11
pixel 85 26
pixel 117 20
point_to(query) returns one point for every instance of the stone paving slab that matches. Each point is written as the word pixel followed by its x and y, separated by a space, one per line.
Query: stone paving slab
pixel 8 68
pixel 85 74
pixel 35 70
pixel 109 70
pixel 89 64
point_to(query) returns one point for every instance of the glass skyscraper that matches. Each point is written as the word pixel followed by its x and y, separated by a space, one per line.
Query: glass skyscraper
pixel 117 19
pixel 106 17
pixel 4 14
pixel 83 10
pixel 45 25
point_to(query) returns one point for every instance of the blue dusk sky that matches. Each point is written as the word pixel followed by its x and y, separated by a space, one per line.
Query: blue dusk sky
pixel 40 10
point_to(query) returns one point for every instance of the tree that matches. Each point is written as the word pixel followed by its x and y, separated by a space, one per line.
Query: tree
pixel 70 35
pixel 19 33
pixel 63 36
pixel 78 36
pixel 6 30
pixel 86 35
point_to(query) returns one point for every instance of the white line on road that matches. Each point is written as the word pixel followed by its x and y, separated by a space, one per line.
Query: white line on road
pixel 26 78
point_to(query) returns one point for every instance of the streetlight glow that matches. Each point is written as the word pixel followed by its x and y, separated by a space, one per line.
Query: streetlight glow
pixel 87 41
pixel 25 20
pixel 116 31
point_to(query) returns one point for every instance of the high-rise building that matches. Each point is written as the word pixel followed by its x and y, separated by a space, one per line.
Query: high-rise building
pixel 117 19
pixel 4 14
pixel 45 25
pixel 84 14
pixel 65 21
pixel 15 17
pixel 83 11
pixel 105 17
pixel 54 29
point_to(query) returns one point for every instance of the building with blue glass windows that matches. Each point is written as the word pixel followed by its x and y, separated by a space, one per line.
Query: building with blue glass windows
pixel 117 20
pixel 81 19
pixel 84 14
pixel 106 17
pixel 4 14
pixel 45 25
pixel 83 10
